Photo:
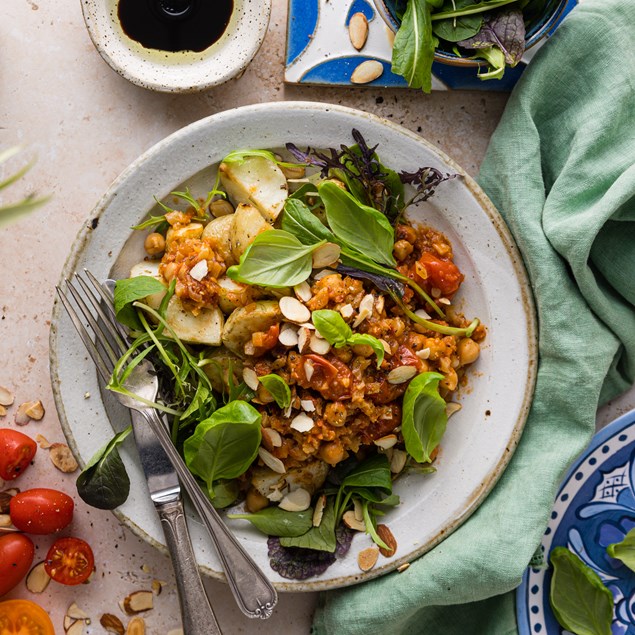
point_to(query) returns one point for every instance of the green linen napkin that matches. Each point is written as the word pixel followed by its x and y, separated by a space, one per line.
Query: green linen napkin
pixel 561 170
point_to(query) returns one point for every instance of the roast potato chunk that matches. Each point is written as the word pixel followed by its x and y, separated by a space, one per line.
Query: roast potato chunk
pixel 220 230
pixel 257 316
pixel 248 223
pixel 204 328
pixel 150 268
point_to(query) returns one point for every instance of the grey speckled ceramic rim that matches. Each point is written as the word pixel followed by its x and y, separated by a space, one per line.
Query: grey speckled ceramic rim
pixel 480 491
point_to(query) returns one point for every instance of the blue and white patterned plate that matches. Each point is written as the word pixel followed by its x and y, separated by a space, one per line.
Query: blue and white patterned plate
pixel 319 50
pixel 595 507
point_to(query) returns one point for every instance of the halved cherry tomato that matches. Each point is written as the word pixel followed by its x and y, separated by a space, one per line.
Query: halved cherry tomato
pixel 16 453
pixel 70 561
pixel 41 510
pixel 331 378
pixel 16 557
pixel 441 274
pixel 23 617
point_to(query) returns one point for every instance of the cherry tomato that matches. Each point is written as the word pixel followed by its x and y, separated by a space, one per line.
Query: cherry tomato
pixel 70 561
pixel 331 378
pixel 16 557
pixel 23 617
pixel 41 510
pixel 16 453
pixel 441 274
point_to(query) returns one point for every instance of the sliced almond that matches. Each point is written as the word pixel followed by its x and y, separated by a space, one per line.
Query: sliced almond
pixel 76 628
pixel 62 458
pixel 136 626
pixel 112 623
pixel 250 378
pixel 398 461
pixel 351 522
pixel 403 567
pixel 3 411
pixel 42 441
pixel 138 602
pixel 358 30
pixel 74 612
pixel 451 408
pixel 383 531
pixel 68 622
pixel 199 270
pixel 347 311
pixel 367 558
pixel 304 338
pixel 6 396
pixel 308 369
pixel 365 309
pixel 308 405
pixel 322 274
pixel 386 442
pixel 34 410
pixel 271 461
pixel 21 417
pixel 424 353
pixel 292 309
pixel 379 304
pixel 302 423
pixel 303 291
pixel 445 301
pixel 157 587
pixel 271 438
pixel 318 511
pixel 298 500
pixel 326 255
pixel 367 72
pixel 38 579
pixel 319 345
pixel 401 374
pixel 289 335
pixel 386 346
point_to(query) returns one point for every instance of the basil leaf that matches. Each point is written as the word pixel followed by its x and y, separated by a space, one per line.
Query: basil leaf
pixel 224 445
pixel 321 537
pixel 130 290
pixel 460 28
pixel 423 418
pixel 278 388
pixel 359 226
pixel 413 49
pixel 223 492
pixel 625 550
pixel 368 340
pixel 104 482
pixel 579 600
pixel 300 221
pixel 275 259
pixel 274 521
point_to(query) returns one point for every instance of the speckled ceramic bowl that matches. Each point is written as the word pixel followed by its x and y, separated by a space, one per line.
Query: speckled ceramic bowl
pixel 181 71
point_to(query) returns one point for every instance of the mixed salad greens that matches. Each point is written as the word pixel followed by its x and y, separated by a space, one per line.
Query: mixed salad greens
pixel 490 31
pixel 217 406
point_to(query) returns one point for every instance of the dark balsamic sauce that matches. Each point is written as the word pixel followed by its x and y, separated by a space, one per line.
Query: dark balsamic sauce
pixel 175 25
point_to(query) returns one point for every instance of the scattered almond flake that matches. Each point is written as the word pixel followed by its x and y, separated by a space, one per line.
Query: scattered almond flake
pixel 401 374
pixel 367 303
pixel 3 411
pixel 250 377
pixel 424 353
pixel 318 511
pixel 112 623
pixel 303 291
pixel 422 314
pixel 307 405
pixel 42 441
pixel 383 531
pixel 379 304
pixel 323 274
pixel 398 461
pixel 387 416
pixel 74 612
pixel 275 496
pixel 386 346
pixel 318 345
pixel 435 292
pixel 5 521
pixel 136 626
pixel 37 579
pixel 199 270
pixel 292 309
pixel 298 500
pixel 271 461
pixel 68 622
pixel 62 458
pixel 86 395
pixel 400 568
pixel 76 628
pixel 287 412
pixel 308 369
pixel 6 396
pixel 288 337
pixel 250 349
pixel 386 442
pixel 358 510
pixel 451 408
pixel 35 410
pixel 351 522
pixel 304 339
pixel 138 602
pixel 271 438
pixel 302 423
pixel 367 558
pixel 307 325
pixel 327 254
pixel 444 301
pixel 360 318
pixel 21 417
pixel 157 587
pixel 347 311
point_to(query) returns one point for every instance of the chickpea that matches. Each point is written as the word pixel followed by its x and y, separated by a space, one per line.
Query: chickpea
pixel 335 414
pixel 170 270
pixel 450 381
pixel 363 350
pixel 255 501
pixel 402 249
pixel 220 207
pixel 407 233
pixel 154 244
pixel 332 453
pixel 293 172
pixel 399 326
pixel 468 351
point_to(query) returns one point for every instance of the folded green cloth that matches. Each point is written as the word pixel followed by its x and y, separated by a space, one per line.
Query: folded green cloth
pixel 561 170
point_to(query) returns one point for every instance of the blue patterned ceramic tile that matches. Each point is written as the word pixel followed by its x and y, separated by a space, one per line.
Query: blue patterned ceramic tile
pixel 319 50
pixel 595 507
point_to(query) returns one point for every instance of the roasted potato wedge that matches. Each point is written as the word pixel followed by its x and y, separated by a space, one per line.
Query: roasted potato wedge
pixel 248 223
pixel 232 294
pixel 257 316
pixel 150 268
pixel 220 230
pixel 258 181
pixel 204 328
pixel 310 477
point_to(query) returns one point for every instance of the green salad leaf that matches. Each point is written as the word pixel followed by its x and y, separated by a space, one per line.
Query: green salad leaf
pixel 461 28
pixel 278 388
pixel 321 537
pixel 300 221
pixel 625 550
pixel 275 521
pixel 579 600
pixel 129 290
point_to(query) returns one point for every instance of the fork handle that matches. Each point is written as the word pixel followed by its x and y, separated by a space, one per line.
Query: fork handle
pixel 198 616
pixel 253 592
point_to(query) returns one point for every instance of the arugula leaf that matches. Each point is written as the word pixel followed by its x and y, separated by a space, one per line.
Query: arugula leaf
pixel 461 28
pixel 579 600
pixel 361 227
pixel 275 259
pixel 321 537
pixel 625 550
pixel 224 445
pixel 333 328
pixel 423 419
pixel 129 290
pixel 104 482
pixel 275 521
pixel 413 49
pixel 278 388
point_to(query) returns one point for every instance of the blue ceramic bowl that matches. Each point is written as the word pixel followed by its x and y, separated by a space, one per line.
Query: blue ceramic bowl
pixel 538 27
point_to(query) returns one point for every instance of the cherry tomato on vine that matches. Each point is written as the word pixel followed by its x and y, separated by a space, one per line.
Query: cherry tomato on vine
pixel 41 510
pixel 16 453
pixel 16 557
pixel 70 561
pixel 23 617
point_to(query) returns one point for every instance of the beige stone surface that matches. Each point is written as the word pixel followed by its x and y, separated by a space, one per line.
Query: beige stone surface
pixel 85 124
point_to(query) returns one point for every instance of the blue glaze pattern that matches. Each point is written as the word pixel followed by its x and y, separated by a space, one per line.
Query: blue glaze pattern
pixel 360 6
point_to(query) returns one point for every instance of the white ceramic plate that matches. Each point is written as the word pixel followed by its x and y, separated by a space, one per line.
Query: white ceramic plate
pixel 480 438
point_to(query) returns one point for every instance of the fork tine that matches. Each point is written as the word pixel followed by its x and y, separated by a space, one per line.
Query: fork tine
pixel 114 333
pixel 97 329
pixel 108 298
pixel 94 353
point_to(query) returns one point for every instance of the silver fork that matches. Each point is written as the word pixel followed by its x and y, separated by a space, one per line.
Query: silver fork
pixel 254 593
